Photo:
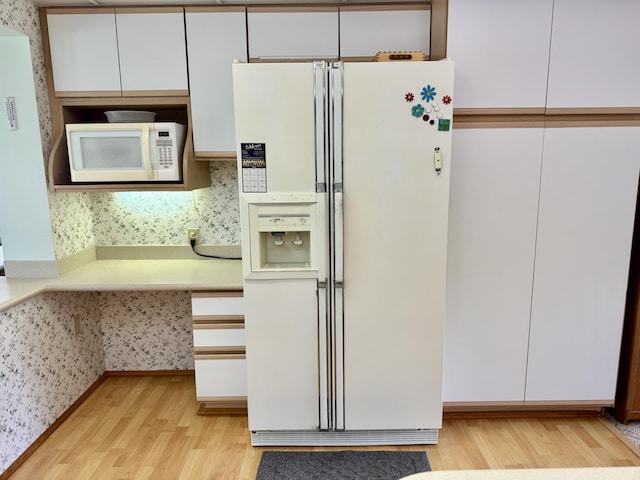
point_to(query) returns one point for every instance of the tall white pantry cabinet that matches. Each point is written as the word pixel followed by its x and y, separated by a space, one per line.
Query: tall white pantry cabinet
pixel 542 207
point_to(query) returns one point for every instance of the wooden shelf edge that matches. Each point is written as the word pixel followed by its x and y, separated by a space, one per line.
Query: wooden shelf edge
pixel 215 156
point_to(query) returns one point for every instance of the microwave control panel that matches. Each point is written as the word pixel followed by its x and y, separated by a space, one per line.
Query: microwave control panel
pixel 165 149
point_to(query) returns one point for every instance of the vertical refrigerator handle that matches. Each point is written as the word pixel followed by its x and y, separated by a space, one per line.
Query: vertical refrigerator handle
pixel 338 225
pixel 324 361
pixel 338 358
pixel 337 91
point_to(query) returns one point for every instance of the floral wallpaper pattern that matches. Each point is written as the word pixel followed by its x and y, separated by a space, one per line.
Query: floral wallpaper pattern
pixel 147 330
pixel 71 222
pixel 45 366
pixel 162 218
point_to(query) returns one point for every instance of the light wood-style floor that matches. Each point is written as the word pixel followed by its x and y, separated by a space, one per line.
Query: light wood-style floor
pixel 147 428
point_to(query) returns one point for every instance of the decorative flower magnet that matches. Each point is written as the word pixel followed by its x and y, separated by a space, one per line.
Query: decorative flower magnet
pixel 428 93
pixel 417 110
pixel 433 112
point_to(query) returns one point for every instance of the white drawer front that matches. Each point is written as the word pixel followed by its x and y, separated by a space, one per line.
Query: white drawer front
pixel 219 337
pixel 221 378
pixel 217 305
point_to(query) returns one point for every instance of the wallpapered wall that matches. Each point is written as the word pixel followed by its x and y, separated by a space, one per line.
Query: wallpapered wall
pixel 80 220
pixel 44 365
pixel 162 218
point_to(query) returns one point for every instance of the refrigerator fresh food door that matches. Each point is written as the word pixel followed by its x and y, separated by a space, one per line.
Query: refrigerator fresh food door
pixel 395 178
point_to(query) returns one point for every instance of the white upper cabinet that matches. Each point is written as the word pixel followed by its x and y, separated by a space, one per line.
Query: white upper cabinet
pixel 365 31
pixel 110 53
pixel 595 54
pixel 152 50
pixel 215 38
pixel 501 52
pixel 292 33
pixel 84 52
pixel 493 209
pixel 585 227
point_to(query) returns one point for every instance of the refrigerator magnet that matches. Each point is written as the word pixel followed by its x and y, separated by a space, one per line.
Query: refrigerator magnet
pixel 444 124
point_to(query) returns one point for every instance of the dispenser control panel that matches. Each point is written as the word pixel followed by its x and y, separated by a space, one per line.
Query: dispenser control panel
pixel 281 221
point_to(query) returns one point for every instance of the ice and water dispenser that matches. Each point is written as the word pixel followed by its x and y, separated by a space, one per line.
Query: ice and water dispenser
pixel 283 237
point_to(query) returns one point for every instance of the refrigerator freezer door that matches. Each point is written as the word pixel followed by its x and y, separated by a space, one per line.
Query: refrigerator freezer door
pixel 275 114
pixel 280 111
pixel 395 237
pixel 281 324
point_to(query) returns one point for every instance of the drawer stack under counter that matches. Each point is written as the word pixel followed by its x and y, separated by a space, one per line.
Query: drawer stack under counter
pixel 219 351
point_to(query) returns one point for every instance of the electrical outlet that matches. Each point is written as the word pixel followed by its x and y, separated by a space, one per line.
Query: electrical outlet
pixel 193 234
pixel 77 326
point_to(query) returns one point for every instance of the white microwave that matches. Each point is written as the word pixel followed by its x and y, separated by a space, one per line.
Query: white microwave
pixel 125 152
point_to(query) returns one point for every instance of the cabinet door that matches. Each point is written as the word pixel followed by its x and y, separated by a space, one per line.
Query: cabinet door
pixel 501 50
pixel 367 31
pixel 493 206
pixel 587 202
pixel 84 53
pixel 291 33
pixel 152 49
pixel 585 70
pixel 214 40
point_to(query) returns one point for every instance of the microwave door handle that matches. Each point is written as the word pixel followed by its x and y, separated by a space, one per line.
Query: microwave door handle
pixel 145 153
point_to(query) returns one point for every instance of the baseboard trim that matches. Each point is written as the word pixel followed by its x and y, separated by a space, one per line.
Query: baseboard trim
pixel 149 373
pixel 480 414
pixel 572 409
pixel 52 428
pixel 222 406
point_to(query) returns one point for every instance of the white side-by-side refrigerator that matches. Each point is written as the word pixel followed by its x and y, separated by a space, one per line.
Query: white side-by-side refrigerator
pixel 344 189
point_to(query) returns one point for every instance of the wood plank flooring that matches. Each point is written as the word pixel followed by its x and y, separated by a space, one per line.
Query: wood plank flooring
pixel 146 427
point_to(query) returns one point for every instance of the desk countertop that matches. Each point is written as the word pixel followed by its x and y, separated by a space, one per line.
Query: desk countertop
pixel 105 275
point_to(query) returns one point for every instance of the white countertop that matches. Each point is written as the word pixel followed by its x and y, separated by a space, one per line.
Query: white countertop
pixel 603 473
pixel 180 274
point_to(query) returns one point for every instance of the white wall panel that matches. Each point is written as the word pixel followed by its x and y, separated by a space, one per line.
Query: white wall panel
pixel 492 226
pixel 594 54
pixel 587 204
pixel 293 34
pixel 501 51
pixel 363 33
